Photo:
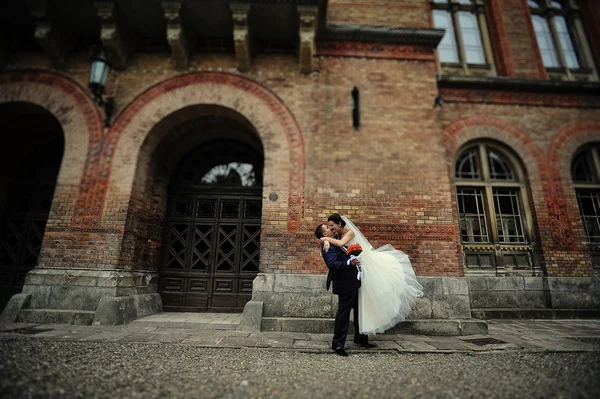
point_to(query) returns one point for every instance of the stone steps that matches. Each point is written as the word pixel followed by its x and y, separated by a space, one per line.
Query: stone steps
pixel 521 313
pixel 56 316
pixel 439 327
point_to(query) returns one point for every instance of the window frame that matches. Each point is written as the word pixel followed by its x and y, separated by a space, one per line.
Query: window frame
pixel 477 8
pixel 570 12
pixel 494 247
pixel 592 154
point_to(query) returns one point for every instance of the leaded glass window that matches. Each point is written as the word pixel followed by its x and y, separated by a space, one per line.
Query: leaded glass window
pixel 493 218
pixel 585 171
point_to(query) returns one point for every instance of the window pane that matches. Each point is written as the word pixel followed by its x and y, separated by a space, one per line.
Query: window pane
pixel 447 49
pixel 533 4
pixel 581 169
pixel 566 42
pixel 464 1
pixel 556 4
pixel 500 168
pixel 545 42
pixel 508 216
pixel 471 37
pixel 440 1
pixel 467 165
pixel 471 213
pixel 590 214
pixel 231 174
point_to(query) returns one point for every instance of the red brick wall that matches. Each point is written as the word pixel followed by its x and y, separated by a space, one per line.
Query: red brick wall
pixel 411 13
pixel 391 176
pixel 523 45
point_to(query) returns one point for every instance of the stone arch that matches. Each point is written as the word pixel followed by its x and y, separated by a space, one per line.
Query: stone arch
pixel 76 114
pixel 531 156
pixel 271 119
pixel 560 154
pixel 464 130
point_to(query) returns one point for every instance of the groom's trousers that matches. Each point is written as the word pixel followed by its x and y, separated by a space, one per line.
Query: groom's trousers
pixel 346 302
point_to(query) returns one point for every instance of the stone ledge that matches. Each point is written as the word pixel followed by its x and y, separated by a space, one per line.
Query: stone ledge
pixel 123 309
pixel 425 327
pixel 501 313
pixel 91 278
pixel 55 316
pixel 14 306
pixel 516 84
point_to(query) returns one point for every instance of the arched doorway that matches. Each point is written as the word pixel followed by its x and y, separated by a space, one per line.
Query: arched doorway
pixel 28 173
pixel 211 242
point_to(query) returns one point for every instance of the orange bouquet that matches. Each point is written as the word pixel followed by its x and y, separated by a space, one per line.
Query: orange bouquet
pixel 354 250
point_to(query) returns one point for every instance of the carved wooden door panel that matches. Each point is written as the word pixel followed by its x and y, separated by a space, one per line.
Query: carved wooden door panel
pixel 211 251
pixel 21 234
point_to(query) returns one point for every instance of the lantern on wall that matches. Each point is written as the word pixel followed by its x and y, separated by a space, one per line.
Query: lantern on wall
pixel 99 71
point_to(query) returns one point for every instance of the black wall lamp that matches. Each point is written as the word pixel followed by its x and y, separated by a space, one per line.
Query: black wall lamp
pixel 99 71
pixel 439 102
pixel 355 108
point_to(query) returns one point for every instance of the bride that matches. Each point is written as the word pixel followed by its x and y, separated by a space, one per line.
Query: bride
pixel 388 282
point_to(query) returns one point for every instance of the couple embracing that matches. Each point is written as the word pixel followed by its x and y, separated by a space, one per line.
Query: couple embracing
pixel 380 285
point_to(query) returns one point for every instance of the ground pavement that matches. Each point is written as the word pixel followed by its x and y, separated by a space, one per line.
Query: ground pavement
pixel 215 330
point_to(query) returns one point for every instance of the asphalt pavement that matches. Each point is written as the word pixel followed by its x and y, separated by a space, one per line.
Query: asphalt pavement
pixel 174 355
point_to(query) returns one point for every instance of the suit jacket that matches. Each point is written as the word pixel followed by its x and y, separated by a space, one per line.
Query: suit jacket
pixel 340 273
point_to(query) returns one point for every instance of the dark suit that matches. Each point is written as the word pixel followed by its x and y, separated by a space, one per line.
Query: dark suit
pixel 345 286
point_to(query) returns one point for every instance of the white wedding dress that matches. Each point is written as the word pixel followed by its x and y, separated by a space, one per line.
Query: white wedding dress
pixel 388 288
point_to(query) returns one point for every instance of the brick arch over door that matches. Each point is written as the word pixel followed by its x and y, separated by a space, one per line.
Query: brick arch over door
pixel 560 155
pixel 81 124
pixel 275 124
pixel 532 157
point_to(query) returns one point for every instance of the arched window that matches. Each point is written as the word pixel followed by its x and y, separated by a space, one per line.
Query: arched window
pixel 465 45
pixel 585 171
pixel 492 210
pixel 561 39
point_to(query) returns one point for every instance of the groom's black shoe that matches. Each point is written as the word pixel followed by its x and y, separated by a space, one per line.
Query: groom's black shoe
pixel 365 344
pixel 341 352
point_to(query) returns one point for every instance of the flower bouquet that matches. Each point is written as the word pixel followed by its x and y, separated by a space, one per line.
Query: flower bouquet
pixel 355 252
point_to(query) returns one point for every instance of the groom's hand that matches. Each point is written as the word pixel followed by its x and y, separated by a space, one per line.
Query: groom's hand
pixel 354 262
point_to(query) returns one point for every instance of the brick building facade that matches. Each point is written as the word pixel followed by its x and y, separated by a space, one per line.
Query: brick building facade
pixel 475 152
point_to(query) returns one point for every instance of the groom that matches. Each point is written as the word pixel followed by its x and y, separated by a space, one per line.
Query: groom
pixel 342 272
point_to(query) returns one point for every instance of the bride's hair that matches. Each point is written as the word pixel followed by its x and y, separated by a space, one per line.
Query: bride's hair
pixel 337 219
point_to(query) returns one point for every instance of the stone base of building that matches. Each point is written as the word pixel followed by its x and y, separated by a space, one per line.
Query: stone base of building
pixel 516 297
pixel 449 306
pixel 437 327
pixel 84 297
